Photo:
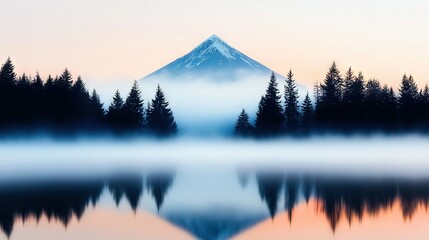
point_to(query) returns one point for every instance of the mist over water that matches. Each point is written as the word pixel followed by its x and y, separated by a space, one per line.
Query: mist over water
pixel 377 155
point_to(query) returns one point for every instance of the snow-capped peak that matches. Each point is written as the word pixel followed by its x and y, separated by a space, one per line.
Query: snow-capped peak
pixel 213 56
pixel 214 37
pixel 213 44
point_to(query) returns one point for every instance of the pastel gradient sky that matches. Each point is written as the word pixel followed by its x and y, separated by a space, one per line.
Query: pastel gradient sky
pixel 114 40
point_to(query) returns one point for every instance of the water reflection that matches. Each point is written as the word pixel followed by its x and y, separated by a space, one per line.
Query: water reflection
pixel 158 184
pixel 341 196
pixel 62 199
pixel 249 198
pixel 130 186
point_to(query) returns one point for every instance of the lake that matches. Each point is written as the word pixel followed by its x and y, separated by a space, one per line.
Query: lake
pixel 371 189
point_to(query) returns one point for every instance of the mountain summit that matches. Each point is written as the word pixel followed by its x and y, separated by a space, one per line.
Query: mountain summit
pixel 212 57
pixel 210 86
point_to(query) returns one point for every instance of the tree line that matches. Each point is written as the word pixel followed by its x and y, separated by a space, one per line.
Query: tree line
pixel 63 105
pixel 341 104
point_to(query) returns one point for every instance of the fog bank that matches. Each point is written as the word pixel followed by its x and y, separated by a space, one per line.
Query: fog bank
pixel 403 155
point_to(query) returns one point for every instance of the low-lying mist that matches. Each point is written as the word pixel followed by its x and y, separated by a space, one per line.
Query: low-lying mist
pixel 377 155
pixel 203 105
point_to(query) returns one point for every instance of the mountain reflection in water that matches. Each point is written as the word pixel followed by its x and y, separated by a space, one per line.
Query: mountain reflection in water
pixel 340 199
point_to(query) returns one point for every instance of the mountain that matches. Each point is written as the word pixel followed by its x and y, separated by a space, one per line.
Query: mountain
pixel 212 57
pixel 208 87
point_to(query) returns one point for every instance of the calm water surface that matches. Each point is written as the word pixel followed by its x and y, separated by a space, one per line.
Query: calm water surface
pixel 214 203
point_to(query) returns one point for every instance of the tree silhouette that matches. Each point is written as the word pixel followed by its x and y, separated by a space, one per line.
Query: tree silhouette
pixel 80 104
pixel 349 79
pixel 37 100
pixel 408 102
pixel 269 117
pixel 7 74
pixel 22 107
pixel 7 87
pixel 291 113
pixel 353 100
pixel 61 105
pixel 65 81
pixel 160 119
pixel 307 114
pixel 133 109
pixel 96 110
pixel 373 103
pixel 388 109
pixel 330 98
pixel 115 112
pixel 242 126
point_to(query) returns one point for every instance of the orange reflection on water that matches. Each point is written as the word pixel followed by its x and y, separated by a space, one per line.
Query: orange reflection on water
pixel 99 223
pixel 310 223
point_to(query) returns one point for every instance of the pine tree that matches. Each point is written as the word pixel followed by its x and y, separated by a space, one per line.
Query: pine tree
pixel 65 81
pixel 47 100
pixel 269 117
pixel 355 109
pixel 373 104
pixel 63 107
pixel 7 74
pixel 78 104
pixel 80 93
pixel 96 109
pixel 7 93
pixel 388 109
pixel 348 86
pixel 160 119
pixel 49 83
pixel 117 103
pixel 133 109
pixel 408 102
pixel 292 115
pixel 37 98
pixel 330 98
pixel 79 88
pixel 37 83
pixel 22 108
pixel 115 112
pixel 23 81
pixel 242 126
pixel 307 113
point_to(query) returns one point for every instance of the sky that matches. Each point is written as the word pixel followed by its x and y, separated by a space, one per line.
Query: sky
pixel 105 41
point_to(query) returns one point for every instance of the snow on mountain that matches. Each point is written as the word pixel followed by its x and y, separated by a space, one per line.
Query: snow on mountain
pixel 213 56
pixel 208 87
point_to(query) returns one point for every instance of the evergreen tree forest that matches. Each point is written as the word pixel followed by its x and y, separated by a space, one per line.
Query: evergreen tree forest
pixel 341 104
pixel 61 105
